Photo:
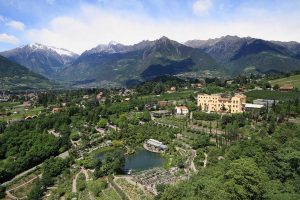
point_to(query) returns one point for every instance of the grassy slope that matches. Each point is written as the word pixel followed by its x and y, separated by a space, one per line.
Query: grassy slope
pixel 292 80
pixel 264 62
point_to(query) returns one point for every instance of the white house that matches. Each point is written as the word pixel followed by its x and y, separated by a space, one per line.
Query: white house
pixel 181 110
pixel 250 106
pixel 151 143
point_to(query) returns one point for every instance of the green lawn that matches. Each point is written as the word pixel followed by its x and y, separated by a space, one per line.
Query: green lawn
pixel 22 113
pixel 9 104
pixel 292 80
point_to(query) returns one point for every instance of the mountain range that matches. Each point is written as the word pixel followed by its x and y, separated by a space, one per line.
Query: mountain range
pixel 119 64
pixel 248 54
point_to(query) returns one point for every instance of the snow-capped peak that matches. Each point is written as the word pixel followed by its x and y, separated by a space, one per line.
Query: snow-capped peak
pixel 111 47
pixel 60 51
pixel 36 46
pixel 113 43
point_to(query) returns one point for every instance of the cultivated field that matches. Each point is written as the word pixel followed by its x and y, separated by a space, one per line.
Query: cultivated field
pixel 292 80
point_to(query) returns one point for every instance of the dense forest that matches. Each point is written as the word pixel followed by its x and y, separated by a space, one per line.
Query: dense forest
pixel 24 145
pixel 267 166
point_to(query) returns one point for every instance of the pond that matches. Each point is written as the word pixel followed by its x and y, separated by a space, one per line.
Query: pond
pixel 142 160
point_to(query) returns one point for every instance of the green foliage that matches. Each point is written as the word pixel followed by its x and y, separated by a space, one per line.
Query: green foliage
pixel 160 84
pixel 81 182
pixel 244 180
pixel 201 141
pixel 54 166
pixel 276 87
pixel 135 135
pixel 205 116
pixel 96 186
pixel 118 108
pixel 29 148
pixel 91 162
pixel 260 167
pixel 74 136
pixel 24 145
pixel 146 116
pixel 102 123
pixel 36 193
pixel 192 106
pixel 2 191
pixel 238 119
pixel 113 162
pixel 212 89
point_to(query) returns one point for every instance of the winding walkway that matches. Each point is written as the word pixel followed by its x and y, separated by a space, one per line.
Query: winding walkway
pixel 190 162
pixel 11 196
pixel 205 160
pixel 62 155
pixel 192 166
pixel 74 183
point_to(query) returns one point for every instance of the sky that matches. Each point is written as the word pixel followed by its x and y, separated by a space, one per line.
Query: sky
pixel 78 25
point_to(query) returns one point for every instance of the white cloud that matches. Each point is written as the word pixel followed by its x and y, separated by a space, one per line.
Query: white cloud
pixel 10 39
pixel 202 7
pixel 16 25
pixel 93 26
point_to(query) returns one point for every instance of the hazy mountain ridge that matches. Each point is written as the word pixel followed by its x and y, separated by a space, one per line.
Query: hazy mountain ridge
pixel 42 59
pixel 239 54
pixel 15 76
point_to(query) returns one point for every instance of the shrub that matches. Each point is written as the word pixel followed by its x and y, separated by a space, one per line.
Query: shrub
pixel 205 116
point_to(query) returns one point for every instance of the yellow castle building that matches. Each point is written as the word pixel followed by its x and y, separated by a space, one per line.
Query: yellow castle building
pixel 219 103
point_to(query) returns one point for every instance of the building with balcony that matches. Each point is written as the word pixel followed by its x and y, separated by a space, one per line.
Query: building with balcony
pixel 221 103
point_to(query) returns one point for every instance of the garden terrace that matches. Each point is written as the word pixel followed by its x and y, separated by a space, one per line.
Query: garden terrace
pixel 131 191
pixel 153 177
pixel 109 194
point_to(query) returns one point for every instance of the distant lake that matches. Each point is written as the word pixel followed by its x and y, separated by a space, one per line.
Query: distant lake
pixel 142 160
